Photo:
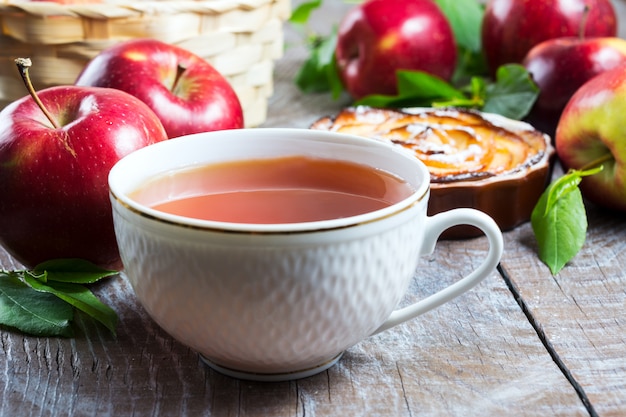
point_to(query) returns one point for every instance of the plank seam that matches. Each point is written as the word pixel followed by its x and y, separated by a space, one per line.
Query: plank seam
pixel 582 395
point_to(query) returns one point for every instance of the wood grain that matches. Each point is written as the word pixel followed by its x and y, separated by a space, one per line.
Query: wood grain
pixel 581 311
pixel 477 356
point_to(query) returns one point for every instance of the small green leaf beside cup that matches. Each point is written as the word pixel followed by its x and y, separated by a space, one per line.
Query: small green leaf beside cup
pixel 559 220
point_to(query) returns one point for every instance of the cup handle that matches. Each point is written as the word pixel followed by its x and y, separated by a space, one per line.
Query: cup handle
pixel 434 226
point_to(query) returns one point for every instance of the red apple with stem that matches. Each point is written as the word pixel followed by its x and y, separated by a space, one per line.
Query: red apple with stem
pixel 561 66
pixel 379 37
pixel 186 92
pixel 511 28
pixel 591 133
pixel 56 149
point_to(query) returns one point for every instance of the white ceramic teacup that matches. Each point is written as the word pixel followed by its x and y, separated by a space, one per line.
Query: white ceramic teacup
pixel 281 301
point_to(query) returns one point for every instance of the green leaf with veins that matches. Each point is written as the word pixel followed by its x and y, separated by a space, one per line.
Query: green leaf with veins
pixel 415 89
pixel 31 312
pixel 42 301
pixel 79 297
pixel 77 271
pixel 559 220
pixel 513 94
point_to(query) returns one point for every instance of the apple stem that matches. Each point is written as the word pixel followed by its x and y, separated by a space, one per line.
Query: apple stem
pixel 23 64
pixel 597 162
pixel 179 73
pixel 583 22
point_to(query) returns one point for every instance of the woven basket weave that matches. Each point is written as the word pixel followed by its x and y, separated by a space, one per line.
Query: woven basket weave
pixel 240 38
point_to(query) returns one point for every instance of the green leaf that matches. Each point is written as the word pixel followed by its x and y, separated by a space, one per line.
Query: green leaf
pixel 31 312
pixel 327 52
pixel 475 99
pixel 562 186
pixel 422 84
pixel 318 73
pixel 513 94
pixel 559 220
pixel 469 64
pixel 78 271
pixel 561 232
pixel 465 18
pixel 415 88
pixel 309 77
pixel 78 296
pixel 300 15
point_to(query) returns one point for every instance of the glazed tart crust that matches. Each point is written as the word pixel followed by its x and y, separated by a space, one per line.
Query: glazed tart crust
pixel 454 144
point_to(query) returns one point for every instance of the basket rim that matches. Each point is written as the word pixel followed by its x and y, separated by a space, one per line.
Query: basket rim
pixel 123 8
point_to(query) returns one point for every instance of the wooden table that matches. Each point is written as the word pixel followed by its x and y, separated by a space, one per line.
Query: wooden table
pixel 522 342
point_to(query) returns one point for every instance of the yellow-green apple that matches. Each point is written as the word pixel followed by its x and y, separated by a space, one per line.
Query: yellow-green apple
pixel 377 38
pixel 186 92
pixel 591 133
pixel 561 66
pixel 510 28
pixel 53 177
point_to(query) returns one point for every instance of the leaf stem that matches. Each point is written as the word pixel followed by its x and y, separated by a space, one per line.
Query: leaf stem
pixel 23 64
pixel 15 273
pixel 597 162
pixel 474 102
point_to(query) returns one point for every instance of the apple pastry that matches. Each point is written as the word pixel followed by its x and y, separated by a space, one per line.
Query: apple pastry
pixel 480 160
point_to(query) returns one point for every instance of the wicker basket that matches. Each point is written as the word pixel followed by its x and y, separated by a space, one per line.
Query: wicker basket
pixel 240 38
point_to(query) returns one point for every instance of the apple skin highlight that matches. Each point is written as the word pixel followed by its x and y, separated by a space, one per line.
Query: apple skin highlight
pixel 512 27
pixel 53 181
pixel 561 66
pixel 186 92
pixel 379 37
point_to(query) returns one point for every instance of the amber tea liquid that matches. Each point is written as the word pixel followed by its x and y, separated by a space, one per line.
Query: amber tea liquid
pixel 272 191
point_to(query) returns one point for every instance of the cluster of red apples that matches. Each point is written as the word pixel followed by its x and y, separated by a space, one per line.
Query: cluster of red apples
pixel 570 48
pixel 55 155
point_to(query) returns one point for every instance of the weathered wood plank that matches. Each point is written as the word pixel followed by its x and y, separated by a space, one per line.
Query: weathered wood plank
pixel 582 310
pixel 475 356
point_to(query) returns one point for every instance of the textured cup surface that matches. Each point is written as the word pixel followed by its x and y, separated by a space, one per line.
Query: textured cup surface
pixel 269 299
pixel 270 303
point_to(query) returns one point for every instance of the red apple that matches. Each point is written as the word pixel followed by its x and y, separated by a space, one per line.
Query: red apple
pixel 53 180
pixel 185 91
pixel 561 66
pixel 379 37
pixel 511 28
pixel 591 133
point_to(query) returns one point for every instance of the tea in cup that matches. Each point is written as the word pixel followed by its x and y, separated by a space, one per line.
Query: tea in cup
pixel 271 251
